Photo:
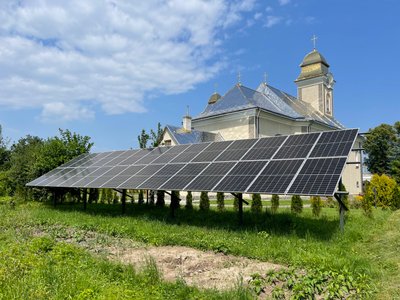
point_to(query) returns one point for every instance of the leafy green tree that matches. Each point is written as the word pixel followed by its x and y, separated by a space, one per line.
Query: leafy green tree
pixel 204 201
pixel 383 192
pixel 296 205
pixel 160 198
pixel 143 139
pixel 379 145
pixel 189 201
pixel 156 135
pixel 220 201
pixel 274 203
pixel 256 204
pixel 4 151
pixel 316 205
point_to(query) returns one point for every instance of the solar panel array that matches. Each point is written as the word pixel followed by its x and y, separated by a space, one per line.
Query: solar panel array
pixel 306 164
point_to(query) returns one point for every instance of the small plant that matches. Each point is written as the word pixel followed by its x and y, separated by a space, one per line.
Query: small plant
pixel 204 201
pixel 115 198
pixel 345 198
pixel 383 192
pixel 256 204
pixel 141 197
pixel 189 201
pixel 296 205
pixel 329 202
pixel 366 205
pixel 274 203
pixel 235 204
pixel 160 198
pixel 220 201
pixel 316 205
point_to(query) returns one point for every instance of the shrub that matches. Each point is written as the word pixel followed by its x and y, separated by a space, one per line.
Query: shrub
pixel 151 197
pixel 366 205
pixel 220 201
pixel 115 197
pixel 160 198
pixel 356 202
pixel 235 204
pixel 383 192
pixel 274 203
pixel 256 204
pixel 141 197
pixel 345 198
pixel 330 202
pixel 316 205
pixel 189 200
pixel 204 201
pixel 296 205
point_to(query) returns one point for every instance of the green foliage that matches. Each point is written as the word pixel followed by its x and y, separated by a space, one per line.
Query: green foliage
pixel 345 198
pixel 256 204
pixel 366 205
pixel 316 205
pixel 296 205
pixel 235 204
pixel 143 139
pixel 115 197
pixel 383 191
pixel 204 201
pixel 93 195
pixel 160 198
pixel 189 201
pixel 313 284
pixel 220 201
pixel 383 148
pixel 331 203
pixel 274 203
pixel 156 135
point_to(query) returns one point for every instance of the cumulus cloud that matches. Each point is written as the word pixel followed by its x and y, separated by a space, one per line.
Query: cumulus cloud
pixel 60 56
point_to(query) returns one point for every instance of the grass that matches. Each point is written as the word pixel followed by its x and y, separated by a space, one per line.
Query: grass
pixel 299 241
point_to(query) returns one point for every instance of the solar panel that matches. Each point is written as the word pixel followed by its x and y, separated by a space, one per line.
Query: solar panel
pixel 240 177
pixel 264 148
pixel 306 164
pixel 183 177
pixel 210 176
pixel 236 150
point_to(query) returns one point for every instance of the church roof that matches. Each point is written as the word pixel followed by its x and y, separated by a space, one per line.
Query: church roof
pixel 312 58
pixel 194 136
pixel 268 99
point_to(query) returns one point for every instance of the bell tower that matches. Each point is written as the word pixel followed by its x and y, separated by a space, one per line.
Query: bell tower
pixel 315 82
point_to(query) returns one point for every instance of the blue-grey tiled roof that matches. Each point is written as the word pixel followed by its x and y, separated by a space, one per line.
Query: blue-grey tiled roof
pixel 194 136
pixel 269 99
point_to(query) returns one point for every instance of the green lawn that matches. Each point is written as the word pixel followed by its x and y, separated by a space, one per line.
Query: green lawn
pixel 368 247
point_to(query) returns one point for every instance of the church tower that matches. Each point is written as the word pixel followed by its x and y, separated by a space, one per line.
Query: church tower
pixel 315 83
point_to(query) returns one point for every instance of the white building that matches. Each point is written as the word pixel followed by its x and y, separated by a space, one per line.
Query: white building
pixel 244 113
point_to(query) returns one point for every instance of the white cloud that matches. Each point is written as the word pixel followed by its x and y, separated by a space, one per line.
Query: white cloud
pixel 60 56
pixel 284 2
pixel 272 21
pixel 269 9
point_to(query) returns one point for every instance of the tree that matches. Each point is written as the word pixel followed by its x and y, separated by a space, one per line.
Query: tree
pixel 383 192
pixel 220 201
pixel 204 201
pixel 256 204
pixel 296 204
pixel 156 136
pixel 143 138
pixel 274 203
pixel 316 205
pixel 4 152
pixel 379 146
pixel 189 201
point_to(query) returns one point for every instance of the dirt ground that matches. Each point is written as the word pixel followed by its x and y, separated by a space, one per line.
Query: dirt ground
pixel 203 269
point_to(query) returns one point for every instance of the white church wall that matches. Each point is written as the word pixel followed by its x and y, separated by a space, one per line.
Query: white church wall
pixel 352 174
pixel 167 139
pixel 271 125
pixel 311 94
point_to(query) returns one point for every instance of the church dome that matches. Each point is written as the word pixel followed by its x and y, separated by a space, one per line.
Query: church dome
pixel 314 57
pixel 214 98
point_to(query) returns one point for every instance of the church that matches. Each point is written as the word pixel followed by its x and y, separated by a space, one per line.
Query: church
pixel 245 113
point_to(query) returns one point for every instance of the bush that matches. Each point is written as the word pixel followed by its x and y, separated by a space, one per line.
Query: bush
pixel 115 197
pixel 297 204
pixel 274 203
pixel 204 201
pixel 331 203
pixel 345 198
pixel 220 201
pixel 316 205
pixel 256 204
pixel 383 192
pixel 160 198
pixel 356 202
pixel 189 200
pixel 366 205
pixel 141 197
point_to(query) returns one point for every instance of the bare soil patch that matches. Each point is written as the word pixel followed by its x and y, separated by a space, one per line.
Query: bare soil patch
pixel 204 269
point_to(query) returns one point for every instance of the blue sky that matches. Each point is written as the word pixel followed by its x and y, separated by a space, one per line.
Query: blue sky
pixel 107 69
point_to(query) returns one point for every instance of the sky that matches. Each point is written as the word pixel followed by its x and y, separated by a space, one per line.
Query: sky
pixel 109 69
